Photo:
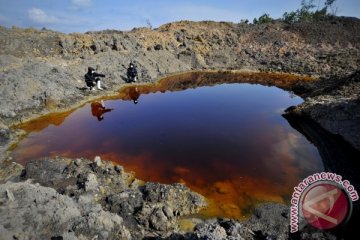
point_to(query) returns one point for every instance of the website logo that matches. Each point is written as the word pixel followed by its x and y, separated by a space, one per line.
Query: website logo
pixel 322 200
pixel 325 205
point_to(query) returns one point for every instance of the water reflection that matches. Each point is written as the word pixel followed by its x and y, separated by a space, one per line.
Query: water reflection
pixel 98 110
pixel 134 94
pixel 228 142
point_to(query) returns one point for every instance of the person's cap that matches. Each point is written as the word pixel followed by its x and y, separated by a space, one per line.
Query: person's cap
pixel 90 69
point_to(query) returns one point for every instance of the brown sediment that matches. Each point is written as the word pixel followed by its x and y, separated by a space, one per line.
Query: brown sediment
pixel 234 197
pixel 190 80
pixel 44 121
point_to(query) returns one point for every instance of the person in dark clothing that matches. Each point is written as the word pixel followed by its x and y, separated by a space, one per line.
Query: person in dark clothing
pixel 98 109
pixel 92 79
pixel 132 73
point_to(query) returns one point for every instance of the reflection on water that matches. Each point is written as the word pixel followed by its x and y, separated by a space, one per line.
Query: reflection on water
pixel 98 110
pixel 134 94
pixel 228 142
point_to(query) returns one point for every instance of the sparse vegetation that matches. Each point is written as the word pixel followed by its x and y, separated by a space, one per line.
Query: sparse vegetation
pixel 148 24
pixel 244 21
pixel 306 13
pixel 265 18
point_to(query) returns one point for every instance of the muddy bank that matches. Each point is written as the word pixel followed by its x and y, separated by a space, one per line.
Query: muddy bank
pixel 82 199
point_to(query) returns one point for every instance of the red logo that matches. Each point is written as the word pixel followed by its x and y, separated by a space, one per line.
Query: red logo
pixel 325 205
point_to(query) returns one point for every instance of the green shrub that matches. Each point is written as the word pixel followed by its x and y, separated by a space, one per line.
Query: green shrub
pixel 290 17
pixel 265 18
pixel 305 13
pixel 320 14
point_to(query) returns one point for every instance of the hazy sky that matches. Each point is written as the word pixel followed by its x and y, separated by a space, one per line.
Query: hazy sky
pixel 84 15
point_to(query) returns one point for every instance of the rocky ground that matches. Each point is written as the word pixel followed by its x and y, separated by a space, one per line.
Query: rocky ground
pixel 43 72
pixel 81 199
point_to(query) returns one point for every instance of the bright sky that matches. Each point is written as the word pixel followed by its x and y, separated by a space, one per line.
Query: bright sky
pixel 85 15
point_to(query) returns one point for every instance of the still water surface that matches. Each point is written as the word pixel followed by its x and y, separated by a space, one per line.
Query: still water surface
pixel 228 142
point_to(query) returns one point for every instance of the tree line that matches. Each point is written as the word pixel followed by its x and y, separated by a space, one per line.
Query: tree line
pixel 308 11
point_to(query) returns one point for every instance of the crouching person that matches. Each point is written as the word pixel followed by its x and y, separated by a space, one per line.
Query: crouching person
pixel 132 73
pixel 92 79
